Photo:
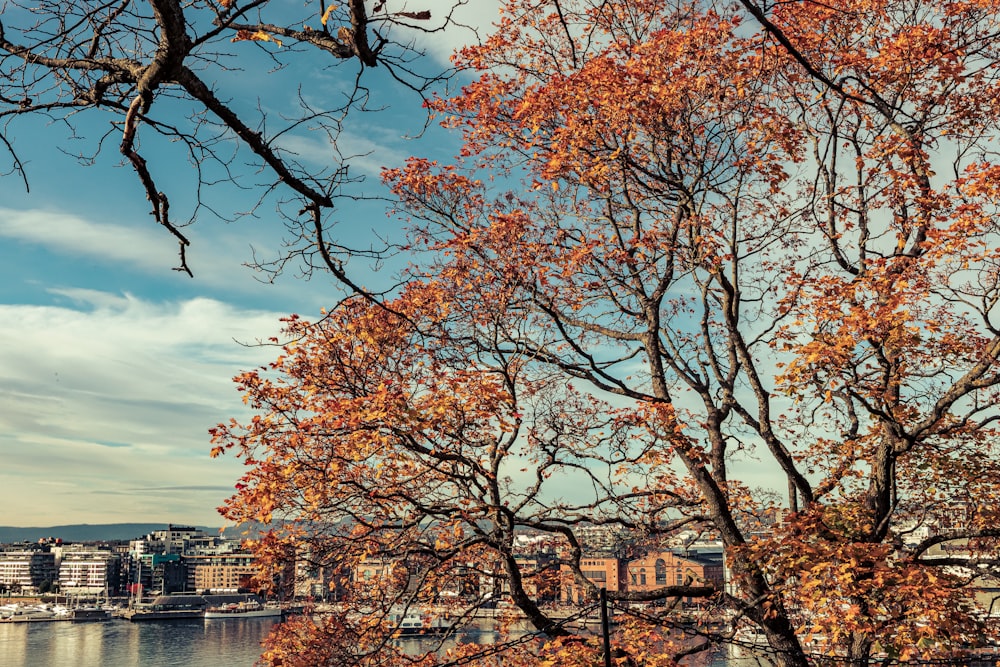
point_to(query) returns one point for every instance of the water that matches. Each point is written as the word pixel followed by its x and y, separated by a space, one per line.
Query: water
pixel 481 634
pixel 195 643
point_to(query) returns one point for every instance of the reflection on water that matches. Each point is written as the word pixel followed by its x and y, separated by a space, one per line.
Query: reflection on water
pixel 194 643
pixel 483 633
pixel 191 643
pixel 479 633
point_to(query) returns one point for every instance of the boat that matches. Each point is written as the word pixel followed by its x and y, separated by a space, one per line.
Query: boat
pixel 246 609
pixel 413 622
pixel 28 613
pixel 145 614
pixel 61 610
pixel 88 614
pixel 166 608
pixel 181 606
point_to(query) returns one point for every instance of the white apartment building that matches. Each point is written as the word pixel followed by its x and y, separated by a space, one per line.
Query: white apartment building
pixel 88 572
pixel 25 570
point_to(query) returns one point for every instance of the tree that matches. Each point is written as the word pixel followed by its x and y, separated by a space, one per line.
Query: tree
pixel 683 241
pixel 155 68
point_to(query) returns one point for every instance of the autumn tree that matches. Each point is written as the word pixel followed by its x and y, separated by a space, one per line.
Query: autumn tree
pixel 389 447
pixel 684 245
pixel 688 250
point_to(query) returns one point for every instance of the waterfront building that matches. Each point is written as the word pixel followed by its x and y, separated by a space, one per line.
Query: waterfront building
pixel 88 571
pixel 27 569
pixel 220 573
pixel 540 575
pixel 183 540
pixel 666 568
pixel 157 572
pixel 373 574
pixel 317 580
pixel 601 570
pixel 379 574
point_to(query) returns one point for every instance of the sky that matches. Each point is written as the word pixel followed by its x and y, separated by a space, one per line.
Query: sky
pixel 113 366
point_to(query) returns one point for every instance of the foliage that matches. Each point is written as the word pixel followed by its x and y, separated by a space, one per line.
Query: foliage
pixel 773 235
pixel 686 247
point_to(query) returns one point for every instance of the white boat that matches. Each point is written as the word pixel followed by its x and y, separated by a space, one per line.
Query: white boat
pixel 417 622
pixel 61 610
pixel 28 613
pixel 248 609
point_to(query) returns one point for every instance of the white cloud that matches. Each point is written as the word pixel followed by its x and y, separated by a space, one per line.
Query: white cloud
pixel 366 154
pixel 472 21
pixel 218 256
pixel 72 235
pixel 116 394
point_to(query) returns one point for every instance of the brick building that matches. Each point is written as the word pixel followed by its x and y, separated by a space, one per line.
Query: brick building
pixel 602 571
pixel 666 568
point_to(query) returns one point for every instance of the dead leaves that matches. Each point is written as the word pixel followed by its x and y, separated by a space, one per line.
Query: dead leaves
pixel 255 36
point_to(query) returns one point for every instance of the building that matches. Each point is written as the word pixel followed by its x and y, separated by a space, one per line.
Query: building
pixel 666 568
pixel 221 573
pixel 602 571
pixel 157 573
pixel 600 539
pixel 89 571
pixel 183 540
pixel 540 576
pixel 27 570
pixel 374 574
pixel 319 581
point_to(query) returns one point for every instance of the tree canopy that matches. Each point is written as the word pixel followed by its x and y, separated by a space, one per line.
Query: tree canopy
pixel 682 242
pixel 690 253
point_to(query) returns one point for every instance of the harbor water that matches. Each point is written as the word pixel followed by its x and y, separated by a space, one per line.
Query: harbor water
pixel 194 643
pixel 177 643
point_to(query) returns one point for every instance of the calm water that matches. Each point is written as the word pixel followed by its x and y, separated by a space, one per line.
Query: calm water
pixel 194 643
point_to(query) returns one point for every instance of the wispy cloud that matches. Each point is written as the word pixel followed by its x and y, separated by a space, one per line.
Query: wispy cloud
pixel 165 490
pixel 73 235
pixel 367 154
pixel 471 21
pixel 219 254
pixel 112 394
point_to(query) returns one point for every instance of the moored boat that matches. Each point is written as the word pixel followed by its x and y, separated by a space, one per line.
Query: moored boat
pixel 411 622
pixel 88 614
pixel 28 613
pixel 247 609
pixel 137 615
pixel 182 606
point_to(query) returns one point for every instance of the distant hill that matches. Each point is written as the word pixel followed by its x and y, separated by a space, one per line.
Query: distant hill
pixel 84 532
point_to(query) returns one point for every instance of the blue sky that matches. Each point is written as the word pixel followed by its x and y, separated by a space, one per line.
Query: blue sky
pixel 113 365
